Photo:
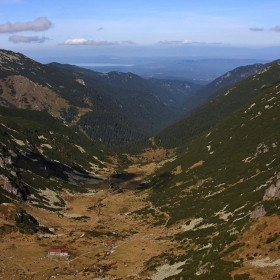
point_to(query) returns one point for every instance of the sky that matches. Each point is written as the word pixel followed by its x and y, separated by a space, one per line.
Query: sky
pixel 136 27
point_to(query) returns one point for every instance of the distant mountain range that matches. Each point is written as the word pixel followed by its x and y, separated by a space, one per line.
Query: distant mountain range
pixel 199 70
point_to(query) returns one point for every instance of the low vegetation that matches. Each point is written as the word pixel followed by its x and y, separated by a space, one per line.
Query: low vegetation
pixel 207 209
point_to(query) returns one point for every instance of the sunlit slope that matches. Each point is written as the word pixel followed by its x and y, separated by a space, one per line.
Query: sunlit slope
pixel 211 189
pixel 222 83
pixel 211 113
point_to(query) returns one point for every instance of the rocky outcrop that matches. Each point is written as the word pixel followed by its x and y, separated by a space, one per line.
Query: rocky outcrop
pixel 202 268
pixel 261 149
pixel 258 212
pixel 273 192
pixel 4 161
pixel 7 186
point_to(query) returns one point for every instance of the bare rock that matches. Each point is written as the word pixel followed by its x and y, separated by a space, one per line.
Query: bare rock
pixel 6 185
pixel 261 149
pixel 202 268
pixel 273 192
pixel 258 212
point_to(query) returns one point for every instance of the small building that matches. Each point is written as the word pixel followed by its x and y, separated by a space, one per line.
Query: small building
pixel 57 253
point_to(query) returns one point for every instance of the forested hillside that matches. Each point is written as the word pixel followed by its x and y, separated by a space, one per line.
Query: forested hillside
pixel 112 109
pixel 222 83
pixel 213 112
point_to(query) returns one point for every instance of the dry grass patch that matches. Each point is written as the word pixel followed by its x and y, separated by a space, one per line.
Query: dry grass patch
pixel 261 250
pixel 177 170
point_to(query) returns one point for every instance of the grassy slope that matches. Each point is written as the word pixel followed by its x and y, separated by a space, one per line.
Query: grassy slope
pixel 40 145
pixel 211 113
pixel 211 180
pixel 222 83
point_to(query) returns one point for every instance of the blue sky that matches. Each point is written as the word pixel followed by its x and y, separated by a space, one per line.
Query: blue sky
pixel 74 27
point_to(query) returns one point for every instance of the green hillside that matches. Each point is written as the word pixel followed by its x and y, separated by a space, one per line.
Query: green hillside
pixel 39 154
pixel 209 191
pixel 126 107
pixel 222 83
pixel 113 109
pixel 199 211
pixel 214 111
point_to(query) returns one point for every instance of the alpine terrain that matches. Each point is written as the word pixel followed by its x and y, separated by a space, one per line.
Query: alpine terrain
pixel 113 176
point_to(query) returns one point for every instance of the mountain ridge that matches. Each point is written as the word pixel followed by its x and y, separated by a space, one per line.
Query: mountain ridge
pixel 211 113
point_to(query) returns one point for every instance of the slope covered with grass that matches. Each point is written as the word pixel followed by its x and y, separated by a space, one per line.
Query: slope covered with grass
pixel 210 190
pixel 40 157
pixel 213 112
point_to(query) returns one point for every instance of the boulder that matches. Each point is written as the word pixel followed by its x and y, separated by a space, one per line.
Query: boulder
pixel 258 212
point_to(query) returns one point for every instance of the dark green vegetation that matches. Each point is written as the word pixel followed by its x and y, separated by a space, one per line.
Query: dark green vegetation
pixel 66 87
pixel 27 224
pixel 224 175
pixel 116 108
pixel 222 83
pixel 40 157
pixel 127 107
pixel 214 111
pixel 24 223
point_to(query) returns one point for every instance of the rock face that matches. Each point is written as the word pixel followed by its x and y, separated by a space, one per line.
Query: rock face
pixel 202 268
pixel 273 192
pixel 6 185
pixel 261 149
pixel 258 212
pixel 4 161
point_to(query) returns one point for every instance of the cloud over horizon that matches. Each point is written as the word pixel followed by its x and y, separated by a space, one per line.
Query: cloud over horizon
pixel 39 24
pixel 16 39
pixel 128 42
pixel 256 29
pixel 178 42
pixel 88 42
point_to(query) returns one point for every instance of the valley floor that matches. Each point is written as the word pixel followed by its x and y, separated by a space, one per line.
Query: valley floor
pixel 103 232
pixel 113 233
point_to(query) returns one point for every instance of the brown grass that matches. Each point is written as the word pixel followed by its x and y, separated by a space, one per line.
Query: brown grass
pixel 116 244
pixel 258 247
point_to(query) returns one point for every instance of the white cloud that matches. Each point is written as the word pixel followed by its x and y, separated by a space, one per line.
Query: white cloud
pixel 85 42
pixel 276 28
pixel 178 42
pixel 23 39
pixel 39 24
pixel 256 29
pixel 128 42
